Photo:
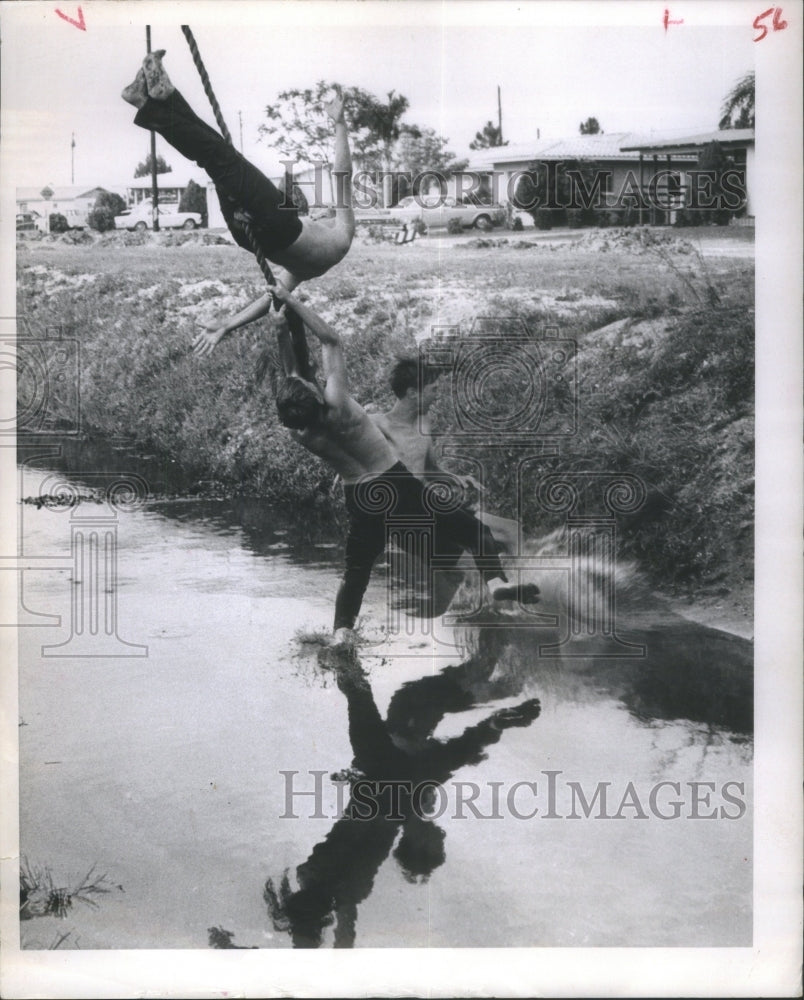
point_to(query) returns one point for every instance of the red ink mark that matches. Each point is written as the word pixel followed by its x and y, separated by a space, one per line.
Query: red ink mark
pixel 79 23
pixel 778 24
pixel 667 21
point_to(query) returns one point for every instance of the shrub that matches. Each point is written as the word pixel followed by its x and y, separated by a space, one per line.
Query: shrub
pixel 543 218
pixel 687 217
pixel 58 223
pixel 454 227
pixel 107 199
pixel 194 199
pixel 101 219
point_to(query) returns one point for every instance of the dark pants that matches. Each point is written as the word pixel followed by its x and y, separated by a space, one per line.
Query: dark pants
pixel 454 529
pixel 239 184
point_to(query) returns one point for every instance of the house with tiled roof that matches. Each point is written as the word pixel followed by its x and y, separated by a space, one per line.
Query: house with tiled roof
pixel 619 170
pixel 625 164
pixel 737 143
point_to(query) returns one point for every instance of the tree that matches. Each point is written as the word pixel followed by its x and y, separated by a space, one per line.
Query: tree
pixel 426 151
pixel 101 219
pixel 549 192
pixel 57 223
pixel 194 199
pixel 714 161
pixel 107 199
pixel 590 127
pixel 296 125
pixel 144 168
pixel 488 138
pixel 738 105
pixel 46 192
pixel 107 206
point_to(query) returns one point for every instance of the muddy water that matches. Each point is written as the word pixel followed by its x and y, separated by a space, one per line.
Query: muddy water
pixel 174 772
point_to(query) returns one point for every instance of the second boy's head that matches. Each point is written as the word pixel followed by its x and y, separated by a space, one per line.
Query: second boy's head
pixel 411 378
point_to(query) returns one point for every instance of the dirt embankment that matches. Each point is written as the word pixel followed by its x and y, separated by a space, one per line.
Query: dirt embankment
pixel 665 368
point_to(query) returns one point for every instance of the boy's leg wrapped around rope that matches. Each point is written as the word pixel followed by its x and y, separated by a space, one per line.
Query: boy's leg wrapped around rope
pixel 239 184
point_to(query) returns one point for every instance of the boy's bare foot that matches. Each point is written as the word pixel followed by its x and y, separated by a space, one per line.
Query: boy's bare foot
pixel 136 93
pixel 157 80
pixel 334 108
pixel 344 637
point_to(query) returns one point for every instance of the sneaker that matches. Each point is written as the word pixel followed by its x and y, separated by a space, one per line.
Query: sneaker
pixel 136 93
pixel 519 715
pixel 156 78
pixel 525 593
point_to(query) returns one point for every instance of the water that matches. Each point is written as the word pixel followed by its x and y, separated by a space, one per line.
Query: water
pixel 174 773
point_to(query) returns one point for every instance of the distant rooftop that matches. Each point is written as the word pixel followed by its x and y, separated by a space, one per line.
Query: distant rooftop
pixel 60 193
pixel 691 143
pixel 603 146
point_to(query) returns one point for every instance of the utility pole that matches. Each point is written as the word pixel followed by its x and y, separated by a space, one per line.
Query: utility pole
pixel 240 116
pixel 499 115
pixel 154 188
pixel 72 160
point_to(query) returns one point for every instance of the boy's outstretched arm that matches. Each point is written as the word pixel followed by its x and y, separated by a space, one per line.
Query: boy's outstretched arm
pixel 215 330
pixel 204 343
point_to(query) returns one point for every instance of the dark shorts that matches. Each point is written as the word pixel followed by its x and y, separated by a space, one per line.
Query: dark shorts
pixel 397 497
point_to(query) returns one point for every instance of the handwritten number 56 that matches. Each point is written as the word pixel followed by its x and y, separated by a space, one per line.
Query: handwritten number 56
pixel 778 23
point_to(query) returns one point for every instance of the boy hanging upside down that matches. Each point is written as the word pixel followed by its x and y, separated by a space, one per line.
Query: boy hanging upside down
pixel 303 248
pixel 332 425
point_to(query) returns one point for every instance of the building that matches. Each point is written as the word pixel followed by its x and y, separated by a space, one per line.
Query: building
pixel 170 186
pixel 620 171
pixel 73 202
pixel 738 144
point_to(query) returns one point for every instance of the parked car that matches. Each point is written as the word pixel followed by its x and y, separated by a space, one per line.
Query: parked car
pixel 435 211
pixel 26 222
pixel 141 217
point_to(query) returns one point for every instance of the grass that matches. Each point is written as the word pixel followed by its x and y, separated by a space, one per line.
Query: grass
pixel 669 401
pixel 40 896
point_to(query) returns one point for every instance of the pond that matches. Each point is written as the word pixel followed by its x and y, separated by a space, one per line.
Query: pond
pixel 230 781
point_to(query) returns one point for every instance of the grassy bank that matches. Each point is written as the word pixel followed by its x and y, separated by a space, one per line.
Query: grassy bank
pixel 665 364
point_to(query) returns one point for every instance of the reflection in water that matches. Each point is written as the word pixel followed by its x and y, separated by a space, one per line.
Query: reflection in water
pixel 401 762
pixel 692 692
pixel 690 673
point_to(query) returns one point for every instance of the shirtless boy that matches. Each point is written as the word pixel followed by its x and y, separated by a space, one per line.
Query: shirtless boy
pixel 407 428
pixel 332 425
pixel 303 248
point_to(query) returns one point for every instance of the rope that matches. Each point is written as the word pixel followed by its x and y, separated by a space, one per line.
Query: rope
pixel 227 135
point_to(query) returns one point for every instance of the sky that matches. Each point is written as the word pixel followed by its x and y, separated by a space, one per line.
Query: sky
pixel 556 66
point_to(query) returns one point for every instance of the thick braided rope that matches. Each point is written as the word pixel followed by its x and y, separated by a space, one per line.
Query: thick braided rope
pixel 227 135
